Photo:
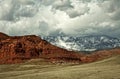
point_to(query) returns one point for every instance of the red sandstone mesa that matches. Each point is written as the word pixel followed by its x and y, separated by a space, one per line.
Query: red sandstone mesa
pixel 16 49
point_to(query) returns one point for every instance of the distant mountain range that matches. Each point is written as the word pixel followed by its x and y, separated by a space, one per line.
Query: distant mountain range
pixel 86 43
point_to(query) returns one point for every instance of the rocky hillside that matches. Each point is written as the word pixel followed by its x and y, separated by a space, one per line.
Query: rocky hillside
pixel 17 49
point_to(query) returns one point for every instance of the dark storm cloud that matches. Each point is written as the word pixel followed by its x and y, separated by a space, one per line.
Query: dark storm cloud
pixel 62 5
pixel 14 9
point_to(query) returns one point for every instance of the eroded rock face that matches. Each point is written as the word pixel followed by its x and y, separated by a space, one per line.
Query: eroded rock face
pixel 20 48
pixel 3 36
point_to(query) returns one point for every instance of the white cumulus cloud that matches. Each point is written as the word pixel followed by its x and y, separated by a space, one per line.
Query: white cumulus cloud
pixel 49 17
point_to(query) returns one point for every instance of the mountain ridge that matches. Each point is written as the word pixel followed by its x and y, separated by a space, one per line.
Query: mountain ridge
pixel 86 43
pixel 17 49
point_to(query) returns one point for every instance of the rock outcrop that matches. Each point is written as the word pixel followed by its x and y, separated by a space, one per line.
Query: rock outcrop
pixel 17 49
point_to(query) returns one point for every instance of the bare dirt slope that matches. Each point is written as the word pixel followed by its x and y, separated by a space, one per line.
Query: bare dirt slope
pixel 41 69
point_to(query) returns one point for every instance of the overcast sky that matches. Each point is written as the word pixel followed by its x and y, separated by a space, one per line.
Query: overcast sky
pixel 72 17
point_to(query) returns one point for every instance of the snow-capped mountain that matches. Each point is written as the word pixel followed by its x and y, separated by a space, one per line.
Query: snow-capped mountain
pixel 86 43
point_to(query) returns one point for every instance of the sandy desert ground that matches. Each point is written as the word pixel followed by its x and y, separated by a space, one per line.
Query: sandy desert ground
pixel 41 69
